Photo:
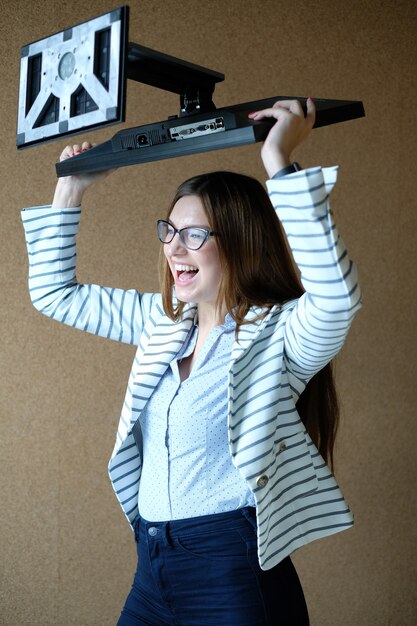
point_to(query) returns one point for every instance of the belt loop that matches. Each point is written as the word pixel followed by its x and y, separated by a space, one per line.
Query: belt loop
pixel 167 534
pixel 136 524
pixel 250 513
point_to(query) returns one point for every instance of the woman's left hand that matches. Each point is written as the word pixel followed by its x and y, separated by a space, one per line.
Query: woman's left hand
pixel 290 130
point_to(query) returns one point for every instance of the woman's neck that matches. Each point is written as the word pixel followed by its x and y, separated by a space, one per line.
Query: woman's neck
pixel 210 316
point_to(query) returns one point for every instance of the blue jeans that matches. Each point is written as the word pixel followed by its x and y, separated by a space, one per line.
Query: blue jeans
pixel 204 571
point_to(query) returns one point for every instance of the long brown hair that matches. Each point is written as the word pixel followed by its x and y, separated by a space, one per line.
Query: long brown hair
pixel 257 270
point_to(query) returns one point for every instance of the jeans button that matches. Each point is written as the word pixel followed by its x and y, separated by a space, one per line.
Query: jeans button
pixel 152 531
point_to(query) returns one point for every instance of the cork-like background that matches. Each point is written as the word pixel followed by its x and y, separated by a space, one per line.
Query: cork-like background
pixel 66 552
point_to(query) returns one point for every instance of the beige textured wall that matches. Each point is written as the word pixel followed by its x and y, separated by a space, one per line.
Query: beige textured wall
pixel 66 553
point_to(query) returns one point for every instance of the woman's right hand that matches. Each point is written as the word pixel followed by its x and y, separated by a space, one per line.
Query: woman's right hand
pixel 70 189
pixel 292 127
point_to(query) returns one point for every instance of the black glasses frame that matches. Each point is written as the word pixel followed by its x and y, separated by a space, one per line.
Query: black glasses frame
pixel 207 233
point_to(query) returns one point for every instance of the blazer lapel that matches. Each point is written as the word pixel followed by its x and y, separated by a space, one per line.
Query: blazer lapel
pixel 164 344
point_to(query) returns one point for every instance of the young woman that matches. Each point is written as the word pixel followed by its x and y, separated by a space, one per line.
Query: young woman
pixel 220 462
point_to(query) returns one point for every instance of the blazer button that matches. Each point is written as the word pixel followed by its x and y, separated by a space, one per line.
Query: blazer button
pixel 282 446
pixel 262 481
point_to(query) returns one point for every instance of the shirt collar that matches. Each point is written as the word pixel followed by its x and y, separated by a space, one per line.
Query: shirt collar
pixel 229 322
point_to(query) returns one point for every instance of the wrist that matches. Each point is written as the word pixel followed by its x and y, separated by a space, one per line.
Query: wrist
pixel 290 169
pixel 274 162
pixel 66 195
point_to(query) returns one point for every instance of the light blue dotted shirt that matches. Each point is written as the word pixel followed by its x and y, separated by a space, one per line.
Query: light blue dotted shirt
pixel 187 469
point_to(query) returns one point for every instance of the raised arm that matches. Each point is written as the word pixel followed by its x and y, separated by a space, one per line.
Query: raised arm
pixel 51 241
pixel 319 321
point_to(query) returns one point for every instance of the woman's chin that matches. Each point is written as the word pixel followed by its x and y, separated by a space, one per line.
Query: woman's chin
pixel 183 295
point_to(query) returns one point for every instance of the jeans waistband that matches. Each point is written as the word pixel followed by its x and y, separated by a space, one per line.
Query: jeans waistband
pixel 203 523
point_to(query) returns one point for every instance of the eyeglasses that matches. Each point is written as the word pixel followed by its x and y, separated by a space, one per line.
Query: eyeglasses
pixel 191 237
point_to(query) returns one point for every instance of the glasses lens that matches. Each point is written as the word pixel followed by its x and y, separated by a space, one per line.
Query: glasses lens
pixel 194 238
pixel 165 231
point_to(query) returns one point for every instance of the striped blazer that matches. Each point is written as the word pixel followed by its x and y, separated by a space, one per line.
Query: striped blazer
pixel 297 497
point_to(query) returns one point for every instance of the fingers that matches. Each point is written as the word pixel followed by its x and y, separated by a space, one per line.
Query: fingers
pixel 260 115
pixel 290 106
pixel 286 108
pixel 70 151
pixel 311 111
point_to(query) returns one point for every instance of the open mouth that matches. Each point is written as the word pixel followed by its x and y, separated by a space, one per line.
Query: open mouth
pixel 184 273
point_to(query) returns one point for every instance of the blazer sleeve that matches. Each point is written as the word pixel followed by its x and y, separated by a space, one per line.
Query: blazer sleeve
pixel 320 319
pixel 51 243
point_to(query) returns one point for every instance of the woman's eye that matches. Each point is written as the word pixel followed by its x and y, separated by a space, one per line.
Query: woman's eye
pixel 196 235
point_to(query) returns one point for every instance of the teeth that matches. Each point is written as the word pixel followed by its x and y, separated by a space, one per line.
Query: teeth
pixel 186 268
